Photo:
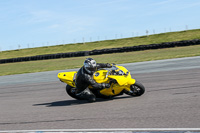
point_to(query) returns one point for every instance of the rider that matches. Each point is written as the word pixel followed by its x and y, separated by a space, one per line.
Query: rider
pixel 84 78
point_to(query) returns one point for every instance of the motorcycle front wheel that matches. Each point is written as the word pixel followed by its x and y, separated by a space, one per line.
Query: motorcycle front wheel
pixel 138 89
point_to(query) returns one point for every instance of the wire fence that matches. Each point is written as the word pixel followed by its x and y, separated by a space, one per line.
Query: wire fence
pixel 18 46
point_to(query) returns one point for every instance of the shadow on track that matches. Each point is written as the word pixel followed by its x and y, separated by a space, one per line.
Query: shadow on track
pixel 76 102
pixel 62 103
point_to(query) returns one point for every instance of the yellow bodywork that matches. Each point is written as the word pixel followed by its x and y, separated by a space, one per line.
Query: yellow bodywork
pixel 68 77
pixel 104 76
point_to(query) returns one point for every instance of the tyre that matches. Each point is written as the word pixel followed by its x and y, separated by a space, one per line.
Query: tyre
pixel 71 92
pixel 137 88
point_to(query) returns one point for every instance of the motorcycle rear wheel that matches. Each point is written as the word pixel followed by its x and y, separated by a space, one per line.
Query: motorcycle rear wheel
pixel 71 92
pixel 138 89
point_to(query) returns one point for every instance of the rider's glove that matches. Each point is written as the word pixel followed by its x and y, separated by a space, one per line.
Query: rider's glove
pixel 106 85
pixel 112 81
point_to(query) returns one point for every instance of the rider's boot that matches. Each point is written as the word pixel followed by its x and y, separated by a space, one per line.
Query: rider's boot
pixel 87 95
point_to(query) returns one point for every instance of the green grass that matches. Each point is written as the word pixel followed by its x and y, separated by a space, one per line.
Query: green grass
pixel 143 40
pixel 118 58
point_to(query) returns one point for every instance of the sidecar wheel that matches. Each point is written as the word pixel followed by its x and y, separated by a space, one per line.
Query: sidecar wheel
pixel 137 88
pixel 71 92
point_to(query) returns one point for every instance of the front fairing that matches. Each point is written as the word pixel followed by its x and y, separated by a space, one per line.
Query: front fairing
pixel 121 75
pixel 123 78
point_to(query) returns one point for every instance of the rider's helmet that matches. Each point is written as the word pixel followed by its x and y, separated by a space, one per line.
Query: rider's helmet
pixel 90 65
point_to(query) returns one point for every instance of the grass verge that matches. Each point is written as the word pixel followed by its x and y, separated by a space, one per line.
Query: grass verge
pixel 118 58
pixel 134 41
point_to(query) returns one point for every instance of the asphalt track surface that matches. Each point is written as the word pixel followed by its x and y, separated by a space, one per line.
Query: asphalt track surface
pixel 39 101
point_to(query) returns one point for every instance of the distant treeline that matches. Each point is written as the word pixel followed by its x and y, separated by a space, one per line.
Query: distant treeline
pixel 103 51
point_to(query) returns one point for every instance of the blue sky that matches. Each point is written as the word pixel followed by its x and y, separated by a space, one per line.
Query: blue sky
pixel 36 23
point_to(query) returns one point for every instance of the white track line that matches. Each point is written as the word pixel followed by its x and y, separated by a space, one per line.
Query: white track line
pixel 104 130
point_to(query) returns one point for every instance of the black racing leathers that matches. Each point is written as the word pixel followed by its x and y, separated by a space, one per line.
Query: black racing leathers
pixel 84 79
